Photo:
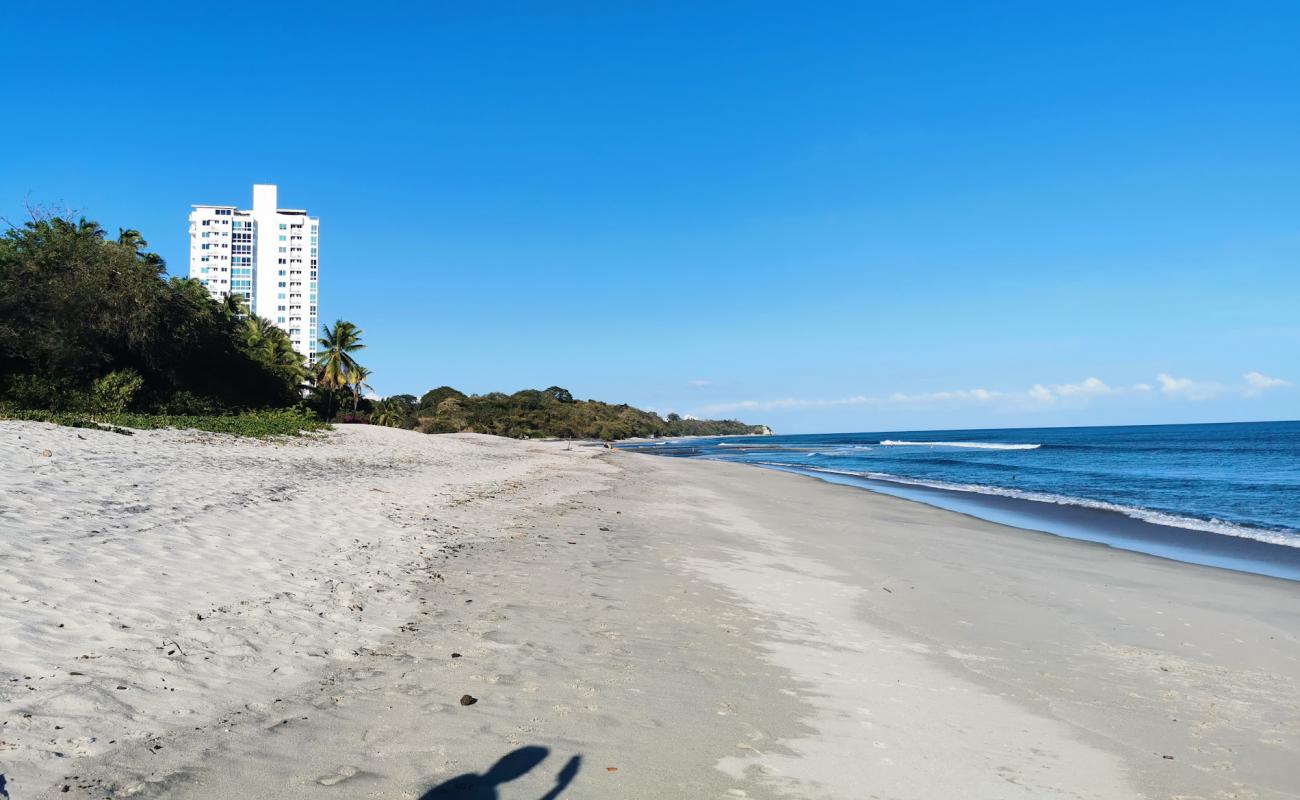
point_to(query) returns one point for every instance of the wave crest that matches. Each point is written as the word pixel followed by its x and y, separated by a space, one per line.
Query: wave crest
pixel 966 445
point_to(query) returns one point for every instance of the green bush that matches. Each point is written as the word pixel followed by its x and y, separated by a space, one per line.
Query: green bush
pixel 54 394
pixel 113 393
pixel 77 306
pixel 188 404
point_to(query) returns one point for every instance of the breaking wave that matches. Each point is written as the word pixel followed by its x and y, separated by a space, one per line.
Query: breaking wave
pixel 967 445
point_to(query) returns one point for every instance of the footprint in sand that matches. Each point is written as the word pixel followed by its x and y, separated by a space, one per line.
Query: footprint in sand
pixel 339 775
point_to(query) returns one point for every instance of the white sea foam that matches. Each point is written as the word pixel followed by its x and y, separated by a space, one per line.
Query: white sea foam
pixel 845 450
pixel 967 445
pixel 792 448
pixel 1217 526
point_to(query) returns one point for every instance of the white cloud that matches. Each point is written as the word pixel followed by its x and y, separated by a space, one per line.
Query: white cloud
pixel 1089 387
pixel 1188 389
pixel 1257 382
pixel 1070 393
pixel 701 383
pixel 1036 397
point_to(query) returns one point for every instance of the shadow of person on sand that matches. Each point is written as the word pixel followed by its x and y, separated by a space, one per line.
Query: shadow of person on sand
pixel 515 764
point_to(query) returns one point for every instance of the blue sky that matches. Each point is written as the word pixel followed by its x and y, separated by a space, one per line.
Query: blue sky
pixel 825 217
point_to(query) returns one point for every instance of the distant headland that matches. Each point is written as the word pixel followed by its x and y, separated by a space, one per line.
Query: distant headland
pixel 547 413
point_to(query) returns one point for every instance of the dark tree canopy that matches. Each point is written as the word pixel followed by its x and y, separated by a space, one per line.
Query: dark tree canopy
pixel 82 313
pixel 559 395
pixel 431 398
pixel 554 413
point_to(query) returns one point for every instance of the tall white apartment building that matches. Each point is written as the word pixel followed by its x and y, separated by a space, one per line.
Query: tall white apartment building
pixel 268 254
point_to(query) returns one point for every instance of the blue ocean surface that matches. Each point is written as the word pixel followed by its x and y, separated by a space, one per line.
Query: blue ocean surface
pixel 1224 495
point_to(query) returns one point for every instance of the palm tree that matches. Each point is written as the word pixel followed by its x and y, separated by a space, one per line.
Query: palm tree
pixel 272 346
pixel 358 380
pixel 234 306
pixel 257 333
pixel 132 239
pixel 335 364
pixel 387 413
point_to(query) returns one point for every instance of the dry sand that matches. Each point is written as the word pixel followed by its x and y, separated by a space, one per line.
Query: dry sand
pixel 282 618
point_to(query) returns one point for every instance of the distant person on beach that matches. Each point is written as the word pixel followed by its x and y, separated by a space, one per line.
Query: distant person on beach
pixel 473 786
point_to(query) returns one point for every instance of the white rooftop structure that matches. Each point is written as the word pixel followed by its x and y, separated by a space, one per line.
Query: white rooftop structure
pixel 268 254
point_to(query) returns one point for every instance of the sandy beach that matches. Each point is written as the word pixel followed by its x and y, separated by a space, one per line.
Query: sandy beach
pixel 380 613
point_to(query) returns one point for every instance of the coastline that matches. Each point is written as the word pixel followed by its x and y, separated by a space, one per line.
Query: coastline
pixel 1081 523
pixel 688 628
pixel 1174 492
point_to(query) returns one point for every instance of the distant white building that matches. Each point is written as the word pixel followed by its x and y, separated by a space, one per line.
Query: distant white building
pixel 268 254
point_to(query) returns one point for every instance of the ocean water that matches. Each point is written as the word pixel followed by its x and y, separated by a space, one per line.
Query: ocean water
pixel 1225 495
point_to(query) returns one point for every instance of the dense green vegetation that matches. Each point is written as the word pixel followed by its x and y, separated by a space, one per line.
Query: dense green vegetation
pixel 278 422
pixel 550 412
pixel 90 324
pixel 93 333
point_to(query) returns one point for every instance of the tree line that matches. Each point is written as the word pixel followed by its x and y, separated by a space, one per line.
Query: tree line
pixel 90 324
pixel 540 413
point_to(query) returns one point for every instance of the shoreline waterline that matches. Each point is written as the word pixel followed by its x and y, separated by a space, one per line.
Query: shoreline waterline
pixel 1100 526
pixel 1219 495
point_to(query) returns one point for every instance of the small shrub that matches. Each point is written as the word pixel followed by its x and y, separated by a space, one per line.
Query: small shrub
pixel 49 394
pixel 113 393
pixel 187 403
